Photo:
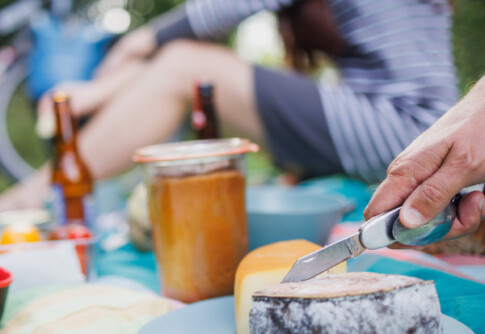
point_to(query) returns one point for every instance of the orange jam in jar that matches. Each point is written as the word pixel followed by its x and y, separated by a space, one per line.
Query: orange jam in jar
pixel 197 208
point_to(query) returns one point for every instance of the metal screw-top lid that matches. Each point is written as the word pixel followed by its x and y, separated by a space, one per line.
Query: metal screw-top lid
pixel 206 89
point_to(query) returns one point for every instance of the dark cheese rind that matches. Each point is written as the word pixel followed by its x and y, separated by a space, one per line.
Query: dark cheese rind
pixel 409 308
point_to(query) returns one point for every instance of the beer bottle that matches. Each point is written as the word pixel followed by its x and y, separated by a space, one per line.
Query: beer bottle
pixel 204 116
pixel 72 184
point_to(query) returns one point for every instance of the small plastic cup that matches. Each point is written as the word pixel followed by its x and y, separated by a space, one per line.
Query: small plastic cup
pixel 5 280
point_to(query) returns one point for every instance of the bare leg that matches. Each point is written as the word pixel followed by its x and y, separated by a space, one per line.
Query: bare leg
pixel 152 109
pixel 30 193
pixel 89 96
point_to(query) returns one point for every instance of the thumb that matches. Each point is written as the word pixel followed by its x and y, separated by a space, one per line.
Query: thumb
pixel 112 61
pixel 432 196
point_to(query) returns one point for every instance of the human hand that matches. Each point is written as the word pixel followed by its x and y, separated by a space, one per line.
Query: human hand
pixel 448 156
pixel 136 45
pixel 84 98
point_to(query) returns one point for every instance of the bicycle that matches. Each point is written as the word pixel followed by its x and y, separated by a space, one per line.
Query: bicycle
pixel 37 32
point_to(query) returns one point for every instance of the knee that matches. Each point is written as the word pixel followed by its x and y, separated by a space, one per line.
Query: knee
pixel 177 54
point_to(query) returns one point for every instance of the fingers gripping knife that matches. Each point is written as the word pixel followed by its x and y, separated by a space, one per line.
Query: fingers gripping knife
pixel 380 231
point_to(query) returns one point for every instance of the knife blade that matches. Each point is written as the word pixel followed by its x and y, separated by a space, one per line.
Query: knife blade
pixel 375 233
pixel 317 262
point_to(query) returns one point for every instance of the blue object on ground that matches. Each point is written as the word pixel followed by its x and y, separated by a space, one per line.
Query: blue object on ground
pixel 129 263
pixel 284 213
pixel 356 191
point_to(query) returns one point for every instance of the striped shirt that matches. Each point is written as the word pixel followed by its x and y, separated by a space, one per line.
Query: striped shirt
pixel 398 76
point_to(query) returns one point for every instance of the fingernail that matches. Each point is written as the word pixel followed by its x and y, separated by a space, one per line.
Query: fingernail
pixel 413 218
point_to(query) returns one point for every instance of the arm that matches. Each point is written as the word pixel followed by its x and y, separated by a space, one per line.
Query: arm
pixel 212 19
pixel 198 19
pixel 172 25
pixel 143 42
pixel 450 155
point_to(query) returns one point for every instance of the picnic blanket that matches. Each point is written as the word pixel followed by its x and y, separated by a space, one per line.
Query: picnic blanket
pixel 460 280
pixel 461 288
pixel 462 296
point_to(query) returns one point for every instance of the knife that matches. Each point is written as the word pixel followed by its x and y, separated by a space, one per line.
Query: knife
pixel 378 232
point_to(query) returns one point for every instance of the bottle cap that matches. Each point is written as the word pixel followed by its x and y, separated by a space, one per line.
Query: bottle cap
pixel 60 96
pixel 206 89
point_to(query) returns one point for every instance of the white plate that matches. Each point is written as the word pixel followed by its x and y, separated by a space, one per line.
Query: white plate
pixel 216 316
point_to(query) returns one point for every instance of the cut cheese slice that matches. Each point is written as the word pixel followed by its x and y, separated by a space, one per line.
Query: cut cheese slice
pixel 264 267
pixel 348 303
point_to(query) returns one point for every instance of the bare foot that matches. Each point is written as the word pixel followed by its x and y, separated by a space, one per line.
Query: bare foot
pixel 30 193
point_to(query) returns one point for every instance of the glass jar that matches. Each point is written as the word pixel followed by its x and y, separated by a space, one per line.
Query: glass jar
pixel 197 206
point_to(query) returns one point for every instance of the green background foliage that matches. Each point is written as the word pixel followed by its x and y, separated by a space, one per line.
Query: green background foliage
pixel 469 40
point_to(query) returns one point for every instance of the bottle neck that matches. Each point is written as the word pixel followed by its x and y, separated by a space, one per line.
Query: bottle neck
pixel 66 130
pixel 204 114
pixel 207 105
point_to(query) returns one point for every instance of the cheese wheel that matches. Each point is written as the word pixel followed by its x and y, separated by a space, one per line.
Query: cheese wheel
pixel 348 303
pixel 264 267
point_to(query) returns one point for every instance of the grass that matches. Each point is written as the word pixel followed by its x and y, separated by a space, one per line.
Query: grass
pixel 21 126
pixel 21 120
pixel 469 41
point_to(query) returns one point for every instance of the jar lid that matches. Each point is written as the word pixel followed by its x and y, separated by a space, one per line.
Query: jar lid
pixel 194 150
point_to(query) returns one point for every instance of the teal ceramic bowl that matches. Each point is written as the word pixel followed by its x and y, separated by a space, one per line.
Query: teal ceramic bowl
pixel 280 213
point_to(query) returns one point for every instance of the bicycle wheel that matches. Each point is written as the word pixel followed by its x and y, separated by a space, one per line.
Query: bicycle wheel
pixel 14 164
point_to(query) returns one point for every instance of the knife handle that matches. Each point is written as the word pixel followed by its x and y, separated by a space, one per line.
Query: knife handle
pixel 385 229
pixel 377 232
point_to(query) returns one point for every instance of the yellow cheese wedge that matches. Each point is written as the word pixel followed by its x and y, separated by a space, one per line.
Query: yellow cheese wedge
pixel 264 267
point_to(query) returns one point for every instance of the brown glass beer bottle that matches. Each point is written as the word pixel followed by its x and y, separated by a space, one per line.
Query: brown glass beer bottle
pixel 204 115
pixel 72 185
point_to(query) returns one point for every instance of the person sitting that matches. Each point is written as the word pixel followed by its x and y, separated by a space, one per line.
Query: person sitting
pixel 397 79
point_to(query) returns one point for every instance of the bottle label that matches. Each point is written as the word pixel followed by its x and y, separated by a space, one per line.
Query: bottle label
pixel 58 205
pixel 198 120
pixel 89 209
pixel 59 208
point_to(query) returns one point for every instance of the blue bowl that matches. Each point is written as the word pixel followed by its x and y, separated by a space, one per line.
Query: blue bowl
pixel 279 213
